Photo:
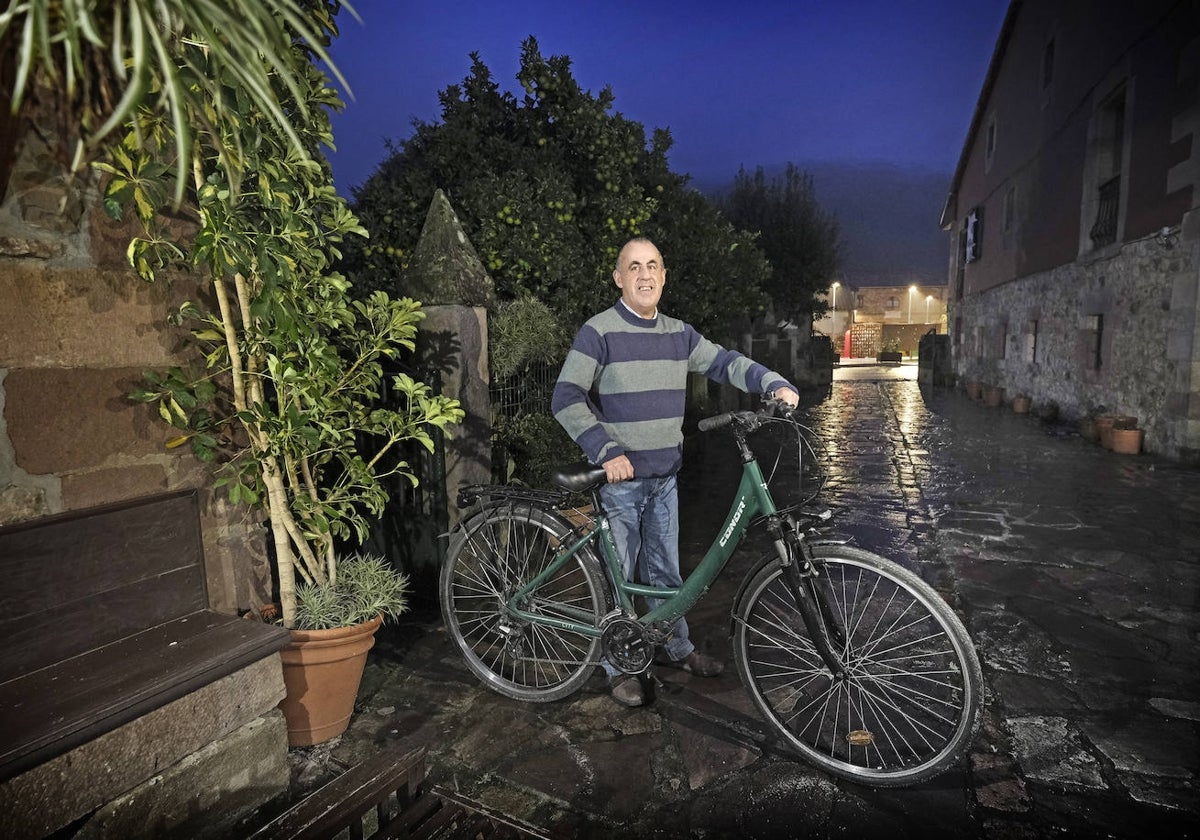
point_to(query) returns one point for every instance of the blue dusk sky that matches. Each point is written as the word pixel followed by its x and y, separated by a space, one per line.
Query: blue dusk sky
pixel 738 83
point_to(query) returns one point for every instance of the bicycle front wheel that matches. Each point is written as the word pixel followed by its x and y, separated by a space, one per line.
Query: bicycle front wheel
pixel 908 706
pixel 489 560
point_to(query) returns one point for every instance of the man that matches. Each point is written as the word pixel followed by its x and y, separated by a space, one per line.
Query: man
pixel 621 396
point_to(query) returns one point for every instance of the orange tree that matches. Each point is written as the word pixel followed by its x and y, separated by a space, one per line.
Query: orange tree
pixel 548 186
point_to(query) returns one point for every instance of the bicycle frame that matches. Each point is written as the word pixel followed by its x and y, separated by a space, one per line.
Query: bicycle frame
pixel 753 499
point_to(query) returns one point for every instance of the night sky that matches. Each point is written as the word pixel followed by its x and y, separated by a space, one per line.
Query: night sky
pixel 738 82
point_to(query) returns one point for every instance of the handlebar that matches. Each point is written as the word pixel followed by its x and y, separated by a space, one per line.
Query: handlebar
pixel 747 420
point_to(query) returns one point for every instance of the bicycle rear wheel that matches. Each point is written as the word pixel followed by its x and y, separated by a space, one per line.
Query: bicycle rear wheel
pixel 492 557
pixel 908 707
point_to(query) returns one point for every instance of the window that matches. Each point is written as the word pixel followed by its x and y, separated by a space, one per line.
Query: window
pixel 1048 64
pixel 990 146
pixel 1002 341
pixel 893 302
pixel 974 229
pixel 1106 167
pixel 960 270
pixel 1031 337
pixel 1010 209
pixel 1094 335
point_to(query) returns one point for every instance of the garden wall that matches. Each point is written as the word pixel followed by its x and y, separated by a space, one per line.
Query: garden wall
pixel 77 328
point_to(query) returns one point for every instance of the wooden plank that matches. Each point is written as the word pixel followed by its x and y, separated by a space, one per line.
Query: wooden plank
pixel 440 821
pixel 332 808
pixel 41 640
pixel 59 559
pixel 439 813
pixel 417 813
pixel 83 579
pixel 52 710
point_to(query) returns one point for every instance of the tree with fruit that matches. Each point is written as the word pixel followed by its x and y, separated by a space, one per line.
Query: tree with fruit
pixel 548 186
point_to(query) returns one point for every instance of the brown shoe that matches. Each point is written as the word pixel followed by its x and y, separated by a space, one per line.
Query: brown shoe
pixel 627 690
pixel 700 665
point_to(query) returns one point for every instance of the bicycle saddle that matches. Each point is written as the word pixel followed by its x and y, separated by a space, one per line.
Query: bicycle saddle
pixel 578 478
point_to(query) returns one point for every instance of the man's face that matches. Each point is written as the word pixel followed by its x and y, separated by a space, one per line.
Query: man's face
pixel 640 276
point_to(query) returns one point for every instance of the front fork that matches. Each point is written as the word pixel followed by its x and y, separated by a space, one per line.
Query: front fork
pixel 808 587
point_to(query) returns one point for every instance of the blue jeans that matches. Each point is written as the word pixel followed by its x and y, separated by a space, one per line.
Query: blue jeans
pixel 644 516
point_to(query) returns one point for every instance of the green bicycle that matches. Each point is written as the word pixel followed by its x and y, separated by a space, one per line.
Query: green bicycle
pixel 856 662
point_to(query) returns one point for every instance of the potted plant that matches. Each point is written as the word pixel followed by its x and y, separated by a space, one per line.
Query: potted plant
pixel 1021 404
pixel 335 627
pixel 890 351
pixel 213 144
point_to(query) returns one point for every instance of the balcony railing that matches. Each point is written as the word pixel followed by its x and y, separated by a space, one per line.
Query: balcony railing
pixel 1104 231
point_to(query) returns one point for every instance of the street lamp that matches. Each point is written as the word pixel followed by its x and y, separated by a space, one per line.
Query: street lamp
pixel 911 289
pixel 928 300
pixel 835 288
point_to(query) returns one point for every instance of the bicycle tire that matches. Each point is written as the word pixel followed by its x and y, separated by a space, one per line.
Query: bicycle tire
pixel 489 559
pixel 909 706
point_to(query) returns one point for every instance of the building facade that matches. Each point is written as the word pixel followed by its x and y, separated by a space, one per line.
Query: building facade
pixel 874 316
pixel 1073 213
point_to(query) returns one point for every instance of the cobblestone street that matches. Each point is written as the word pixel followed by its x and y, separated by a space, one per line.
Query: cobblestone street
pixel 1075 569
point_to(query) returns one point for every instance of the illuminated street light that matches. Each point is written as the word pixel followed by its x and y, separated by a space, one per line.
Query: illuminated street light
pixel 835 288
pixel 911 289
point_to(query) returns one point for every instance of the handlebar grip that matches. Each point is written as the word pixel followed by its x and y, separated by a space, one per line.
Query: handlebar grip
pixel 719 421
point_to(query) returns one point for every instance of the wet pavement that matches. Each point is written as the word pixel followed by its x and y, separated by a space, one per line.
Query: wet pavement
pixel 1076 570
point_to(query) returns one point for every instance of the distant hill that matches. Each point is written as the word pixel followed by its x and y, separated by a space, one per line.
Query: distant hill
pixel 888 218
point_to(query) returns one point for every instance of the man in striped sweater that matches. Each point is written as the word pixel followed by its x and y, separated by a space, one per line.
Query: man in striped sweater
pixel 621 397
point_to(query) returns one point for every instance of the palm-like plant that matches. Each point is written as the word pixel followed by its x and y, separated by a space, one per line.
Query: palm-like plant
pixel 93 65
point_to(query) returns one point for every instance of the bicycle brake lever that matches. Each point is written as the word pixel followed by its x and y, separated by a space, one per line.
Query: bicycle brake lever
pixel 776 407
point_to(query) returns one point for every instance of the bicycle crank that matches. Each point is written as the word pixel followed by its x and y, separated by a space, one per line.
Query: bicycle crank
pixel 625 645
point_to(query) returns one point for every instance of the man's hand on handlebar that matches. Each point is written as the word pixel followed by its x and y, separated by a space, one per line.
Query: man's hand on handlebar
pixel 618 469
pixel 787 396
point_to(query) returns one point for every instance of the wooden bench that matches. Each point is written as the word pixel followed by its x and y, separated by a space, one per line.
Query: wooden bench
pixel 386 797
pixel 105 617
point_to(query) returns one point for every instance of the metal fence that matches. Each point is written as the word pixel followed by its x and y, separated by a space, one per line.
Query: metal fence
pixel 528 392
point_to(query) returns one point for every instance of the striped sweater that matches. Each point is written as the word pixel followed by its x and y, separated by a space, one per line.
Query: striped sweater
pixel 623 386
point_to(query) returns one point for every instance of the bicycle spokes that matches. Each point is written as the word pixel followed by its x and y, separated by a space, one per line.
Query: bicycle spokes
pixel 485 571
pixel 900 705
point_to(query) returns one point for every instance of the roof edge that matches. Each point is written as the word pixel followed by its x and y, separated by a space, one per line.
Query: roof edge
pixel 989 81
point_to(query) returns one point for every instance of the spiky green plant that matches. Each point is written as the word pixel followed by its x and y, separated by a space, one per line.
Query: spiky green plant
pixel 93 65
pixel 366 587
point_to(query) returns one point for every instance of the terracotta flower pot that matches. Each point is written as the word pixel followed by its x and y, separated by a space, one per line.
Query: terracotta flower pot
pixel 993 396
pixel 1088 430
pixel 322 670
pixel 1126 441
pixel 974 389
pixel 1104 424
pixel 1020 404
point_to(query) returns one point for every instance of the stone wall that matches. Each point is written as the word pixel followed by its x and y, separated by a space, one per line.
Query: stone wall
pixel 1148 348
pixel 190 768
pixel 77 328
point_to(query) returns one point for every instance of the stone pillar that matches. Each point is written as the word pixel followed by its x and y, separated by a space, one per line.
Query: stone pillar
pixel 453 342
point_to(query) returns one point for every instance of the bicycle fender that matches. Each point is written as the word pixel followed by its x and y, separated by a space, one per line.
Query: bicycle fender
pixel 468 524
pixel 831 540
pixel 772 560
